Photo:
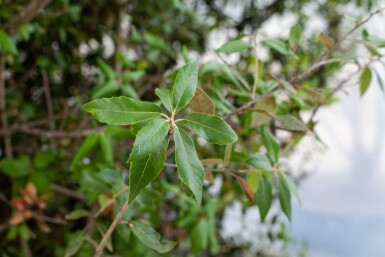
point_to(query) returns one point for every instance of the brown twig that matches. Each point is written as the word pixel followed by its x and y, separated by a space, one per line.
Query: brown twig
pixel 318 62
pixel 255 84
pixel 48 133
pixel 3 113
pixel 48 99
pixel 48 219
pixel 29 12
pixel 65 191
pixel 111 229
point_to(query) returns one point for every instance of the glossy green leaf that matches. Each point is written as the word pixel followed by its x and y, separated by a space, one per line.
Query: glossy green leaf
pixel 122 110
pixel 150 137
pixel 143 171
pixel 16 167
pixel 271 144
pixel 77 240
pixel 165 97
pixel 201 102
pixel 234 46
pixel 148 236
pixel 184 87
pixel 264 196
pixel 77 214
pixel 188 164
pixel 290 185
pixel 278 46
pixel 290 122
pixel 211 128
pixel 295 36
pixel 365 79
pixel 284 197
pixel 260 161
pixel 85 148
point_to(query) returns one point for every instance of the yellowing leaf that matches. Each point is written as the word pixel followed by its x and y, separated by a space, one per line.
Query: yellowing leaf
pixel 201 102
pixel 325 40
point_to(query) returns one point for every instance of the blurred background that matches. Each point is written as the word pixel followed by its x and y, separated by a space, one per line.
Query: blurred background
pixel 55 55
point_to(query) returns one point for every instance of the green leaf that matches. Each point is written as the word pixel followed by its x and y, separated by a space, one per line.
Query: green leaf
pixel 290 185
pixel 264 196
pixel 7 44
pixel 85 148
pixel 148 236
pixel 253 181
pixel 128 90
pixel 284 196
pixel 43 159
pixel 106 70
pixel 131 76
pixel 233 46
pixel 210 127
pixel 185 55
pixel 106 146
pixel 271 144
pixel 143 171
pixel 165 97
pixel 122 110
pixel 201 102
pixel 185 84
pixel 294 36
pixel 291 123
pixel 75 243
pixel 365 79
pixel 278 46
pixel 259 161
pixel 17 167
pixel 150 137
pixel 77 214
pixel 118 132
pixel 105 89
pixel 188 164
pixel 199 236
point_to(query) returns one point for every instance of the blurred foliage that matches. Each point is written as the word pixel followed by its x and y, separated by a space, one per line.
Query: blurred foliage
pixel 63 175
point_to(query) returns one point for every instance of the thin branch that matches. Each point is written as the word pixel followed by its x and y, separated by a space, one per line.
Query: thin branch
pixel 65 191
pixel 48 99
pixel 48 133
pixel 48 219
pixel 111 229
pixel 315 66
pixel 318 62
pixel 3 113
pixel 29 12
pixel 256 66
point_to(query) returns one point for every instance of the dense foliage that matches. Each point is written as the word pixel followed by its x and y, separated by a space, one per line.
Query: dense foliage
pixel 136 177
